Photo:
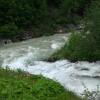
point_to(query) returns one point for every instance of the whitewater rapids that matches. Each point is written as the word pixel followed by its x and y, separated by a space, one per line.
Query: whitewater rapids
pixel 28 56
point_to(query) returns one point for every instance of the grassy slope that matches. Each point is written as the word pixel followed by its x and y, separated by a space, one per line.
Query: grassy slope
pixel 23 86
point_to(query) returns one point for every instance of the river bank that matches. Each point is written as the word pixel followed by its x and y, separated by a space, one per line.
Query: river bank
pixel 18 85
pixel 28 56
pixel 29 34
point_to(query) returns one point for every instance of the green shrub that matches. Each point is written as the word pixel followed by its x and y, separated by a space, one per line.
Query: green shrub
pixel 8 31
pixel 86 44
pixel 78 48
pixel 43 16
pixel 93 24
pixel 71 11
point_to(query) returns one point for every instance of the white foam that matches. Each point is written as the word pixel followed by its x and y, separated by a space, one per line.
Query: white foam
pixel 70 75
pixel 73 76
pixel 56 45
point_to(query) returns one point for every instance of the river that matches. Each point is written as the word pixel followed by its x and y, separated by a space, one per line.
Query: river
pixel 28 56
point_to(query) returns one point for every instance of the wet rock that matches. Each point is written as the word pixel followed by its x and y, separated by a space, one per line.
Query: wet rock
pixel 5 41
pixel 86 69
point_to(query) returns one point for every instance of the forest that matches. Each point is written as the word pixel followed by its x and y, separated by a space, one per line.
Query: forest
pixel 38 18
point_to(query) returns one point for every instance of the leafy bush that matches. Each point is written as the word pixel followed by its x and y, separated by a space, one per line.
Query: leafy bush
pixel 77 48
pixel 80 48
pixel 86 44
pixel 8 31
pixel 93 25
pixel 72 10
pixel 43 16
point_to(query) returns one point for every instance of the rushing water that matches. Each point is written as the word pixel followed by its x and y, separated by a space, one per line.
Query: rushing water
pixel 28 56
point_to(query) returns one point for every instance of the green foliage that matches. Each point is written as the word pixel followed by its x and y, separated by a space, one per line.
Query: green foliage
pixel 72 10
pixel 93 25
pixel 8 31
pixel 39 16
pixel 78 48
pixel 86 44
pixel 23 86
